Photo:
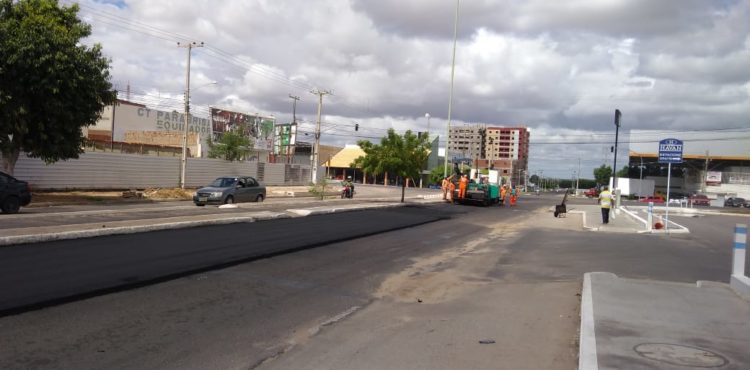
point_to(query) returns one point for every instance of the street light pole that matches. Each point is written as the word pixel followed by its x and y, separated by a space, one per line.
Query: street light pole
pixel 183 161
pixel 450 99
pixel 427 115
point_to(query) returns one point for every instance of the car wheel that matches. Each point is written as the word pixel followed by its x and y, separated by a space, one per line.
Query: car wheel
pixel 229 200
pixel 259 198
pixel 200 204
pixel 11 205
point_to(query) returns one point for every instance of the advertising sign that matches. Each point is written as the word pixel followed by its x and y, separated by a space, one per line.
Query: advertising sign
pixel 225 120
pixel 285 137
pixel 259 129
pixel 670 151
pixel 713 178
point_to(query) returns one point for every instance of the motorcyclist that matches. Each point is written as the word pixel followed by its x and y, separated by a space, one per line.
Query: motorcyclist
pixel 348 187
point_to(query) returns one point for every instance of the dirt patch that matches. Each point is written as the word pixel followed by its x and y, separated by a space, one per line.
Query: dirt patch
pixel 81 197
pixel 447 275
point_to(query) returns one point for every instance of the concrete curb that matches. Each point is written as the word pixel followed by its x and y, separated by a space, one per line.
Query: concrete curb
pixel 741 285
pixel 583 221
pixel 79 234
pixel 681 229
pixel 122 230
pixel 587 342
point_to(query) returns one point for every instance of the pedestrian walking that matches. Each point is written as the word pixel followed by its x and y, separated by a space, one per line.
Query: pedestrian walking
pixel 605 202
pixel 513 197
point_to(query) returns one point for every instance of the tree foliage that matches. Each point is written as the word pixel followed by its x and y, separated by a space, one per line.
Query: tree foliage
pixel 436 175
pixel 602 174
pixel 402 156
pixel 624 172
pixel 232 146
pixel 51 85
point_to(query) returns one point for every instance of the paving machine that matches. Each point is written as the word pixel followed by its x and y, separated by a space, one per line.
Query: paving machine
pixel 478 193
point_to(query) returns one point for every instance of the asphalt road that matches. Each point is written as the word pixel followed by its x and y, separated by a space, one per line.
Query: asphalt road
pixel 419 297
pixel 54 272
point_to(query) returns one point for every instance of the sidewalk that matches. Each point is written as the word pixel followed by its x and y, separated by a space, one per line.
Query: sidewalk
pixel 622 222
pixel 643 324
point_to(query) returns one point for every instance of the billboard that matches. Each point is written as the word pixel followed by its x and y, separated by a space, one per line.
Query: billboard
pixel 259 129
pixel 285 137
pixel 713 178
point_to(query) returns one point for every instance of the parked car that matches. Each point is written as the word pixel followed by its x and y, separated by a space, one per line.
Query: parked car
pixel 700 200
pixel 735 202
pixel 656 200
pixel 14 193
pixel 591 193
pixel 231 189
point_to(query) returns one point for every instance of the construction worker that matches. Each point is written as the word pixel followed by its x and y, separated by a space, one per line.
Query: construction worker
pixel 451 189
pixel 445 186
pixel 513 196
pixel 463 183
pixel 502 196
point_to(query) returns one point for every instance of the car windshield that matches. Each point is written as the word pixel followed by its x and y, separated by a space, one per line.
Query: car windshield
pixel 223 182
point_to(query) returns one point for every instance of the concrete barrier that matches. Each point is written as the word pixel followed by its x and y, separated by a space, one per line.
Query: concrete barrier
pixel 739 281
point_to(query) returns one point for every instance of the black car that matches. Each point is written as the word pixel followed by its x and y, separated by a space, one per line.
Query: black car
pixel 14 193
pixel 735 202
pixel 231 189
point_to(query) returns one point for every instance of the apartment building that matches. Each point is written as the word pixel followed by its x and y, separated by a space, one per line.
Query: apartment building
pixel 503 148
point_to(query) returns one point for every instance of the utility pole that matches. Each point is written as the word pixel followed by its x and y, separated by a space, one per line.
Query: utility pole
pixel 294 122
pixel 316 148
pixel 450 99
pixel 183 162
pixel 294 107
pixel 578 175
pixel 705 174
pixel 112 138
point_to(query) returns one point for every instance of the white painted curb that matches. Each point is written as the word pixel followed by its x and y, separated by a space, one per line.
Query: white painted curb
pixel 587 343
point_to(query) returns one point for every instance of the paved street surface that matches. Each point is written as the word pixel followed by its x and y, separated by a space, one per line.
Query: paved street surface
pixel 477 288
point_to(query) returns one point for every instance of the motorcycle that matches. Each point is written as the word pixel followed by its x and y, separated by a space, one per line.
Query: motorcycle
pixel 347 192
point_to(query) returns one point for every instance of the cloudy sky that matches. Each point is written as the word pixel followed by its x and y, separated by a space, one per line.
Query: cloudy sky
pixel 560 68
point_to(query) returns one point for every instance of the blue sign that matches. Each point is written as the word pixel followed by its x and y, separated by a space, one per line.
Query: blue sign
pixel 670 151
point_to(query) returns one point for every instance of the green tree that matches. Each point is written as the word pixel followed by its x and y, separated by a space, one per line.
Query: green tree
pixel 534 179
pixel 436 175
pixel 51 84
pixel 232 146
pixel 402 156
pixel 623 172
pixel 602 174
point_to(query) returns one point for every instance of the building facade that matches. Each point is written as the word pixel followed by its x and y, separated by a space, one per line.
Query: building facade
pixel 503 148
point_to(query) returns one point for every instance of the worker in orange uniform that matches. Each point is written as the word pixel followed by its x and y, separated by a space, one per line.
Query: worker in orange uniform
pixel 451 189
pixel 502 196
pixel 462 186
pixel 513 196
pixel 446 185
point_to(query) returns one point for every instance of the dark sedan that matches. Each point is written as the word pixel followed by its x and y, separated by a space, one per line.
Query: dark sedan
pixel 231 189
pixel 14 193
pixel 734 202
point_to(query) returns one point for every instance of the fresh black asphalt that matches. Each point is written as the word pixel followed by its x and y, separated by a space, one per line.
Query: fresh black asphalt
pixel 44 274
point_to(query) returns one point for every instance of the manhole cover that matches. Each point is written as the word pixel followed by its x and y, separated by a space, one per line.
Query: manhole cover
pixel 680 355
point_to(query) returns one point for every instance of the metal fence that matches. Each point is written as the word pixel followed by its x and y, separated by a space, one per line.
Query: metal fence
pixel 106 170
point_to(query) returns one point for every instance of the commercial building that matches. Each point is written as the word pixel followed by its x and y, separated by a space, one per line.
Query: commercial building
pixel 716 163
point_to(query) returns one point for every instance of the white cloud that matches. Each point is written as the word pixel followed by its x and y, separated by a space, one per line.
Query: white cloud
pixel 557 67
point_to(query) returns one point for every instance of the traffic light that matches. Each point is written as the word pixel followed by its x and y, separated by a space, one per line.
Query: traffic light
pixel 617 117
